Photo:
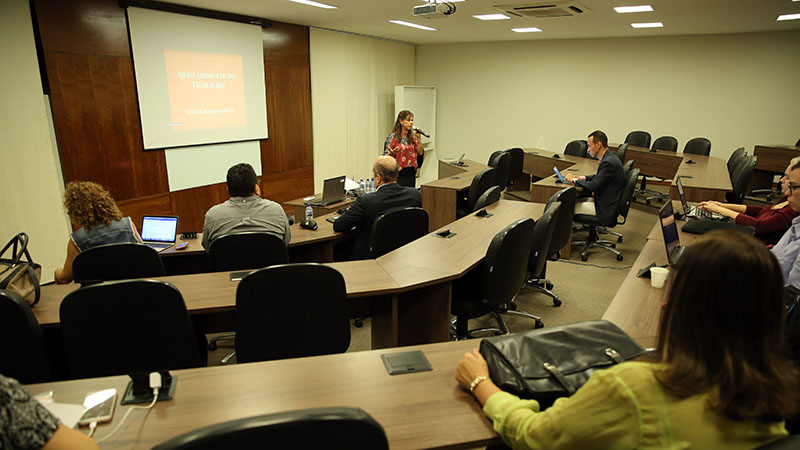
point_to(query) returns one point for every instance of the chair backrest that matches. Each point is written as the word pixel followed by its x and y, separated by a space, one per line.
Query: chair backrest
pixel 626 197
pixel 628 166
pixel 563 228
pixel 338 427
pixel 487 198
pixel 482 181
pixel 503 269
pixel 396 228
pixel 23 353
pixel 797 144
pixel 790 442
pixel 621 150
pixel 244 251
pixel 272 295
pixel 577 148
pixel 127 326
pixel 638 139
pixel 501 161
pixel 516 157
pixel 698 146
pixel 542 238
pixel 117 262
pixel 665 143
pixel 740 180
pixel 736 158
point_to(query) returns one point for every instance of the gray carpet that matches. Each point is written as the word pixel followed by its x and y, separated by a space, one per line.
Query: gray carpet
pixel 585 288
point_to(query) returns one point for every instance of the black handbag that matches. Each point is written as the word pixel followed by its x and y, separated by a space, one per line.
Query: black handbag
pixel 17 275
pixel 549 363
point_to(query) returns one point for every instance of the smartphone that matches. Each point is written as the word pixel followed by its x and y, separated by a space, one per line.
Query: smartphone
pixel 182 246
pixel 99 406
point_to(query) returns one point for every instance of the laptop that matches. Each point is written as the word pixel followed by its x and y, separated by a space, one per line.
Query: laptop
pixel 694 212
pixel 558 174
pixel 159 232
pixel 669 229
pixel 332 192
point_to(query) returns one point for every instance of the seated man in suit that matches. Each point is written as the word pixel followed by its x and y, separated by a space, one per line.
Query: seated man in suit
pixel 245 211
pixel 606 185
pixel 368 207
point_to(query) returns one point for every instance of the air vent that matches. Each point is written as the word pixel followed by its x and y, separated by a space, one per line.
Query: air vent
pixel 542 10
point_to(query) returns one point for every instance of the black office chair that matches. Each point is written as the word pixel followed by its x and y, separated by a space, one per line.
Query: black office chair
pixel 628 166
pixel 740 180
pixel 543 245
pixel 516 161
pixel 117 262
pixel 577 148
pixel 621 150
pixel 481 182
pixel 735 159
pixel 396 228
pixel 487 198
pixel 23 352
pixel 698 146
pixel 790 442
pixel 488 287
pixel 272 294
pixel 306 428
pixel 127 326
pixel 593 222
pixel 638 139
pixel 501 161
pixel 668 143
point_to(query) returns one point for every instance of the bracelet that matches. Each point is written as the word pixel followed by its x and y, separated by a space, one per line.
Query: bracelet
pixel 476 382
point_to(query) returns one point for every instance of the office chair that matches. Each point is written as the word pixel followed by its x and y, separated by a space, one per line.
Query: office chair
pixel 23 352
pixel 306 428
pixel 243 251
pixel 628 166
pixel 740 180
pixel 271 294
pixel 492 284
pixel 516 157
pixel 621 150
pixel 127 326
pixel 577 148
pixel 593 222
pixel 790 442
pixel 667 143
pixel 487 198
pixel 117 262
pixel 543 245
pixel 638 139
pixel 501 161
pixel 698 146
pixel 396 228
pixel 481 182
pixel 735 159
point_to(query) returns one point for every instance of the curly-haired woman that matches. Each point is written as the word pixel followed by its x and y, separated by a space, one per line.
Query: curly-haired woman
pixel 92 210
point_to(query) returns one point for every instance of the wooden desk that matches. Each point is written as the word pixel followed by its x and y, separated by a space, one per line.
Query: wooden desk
pixel 540 163
pixel 772 159
pixel 440 197
pixel 417 411
pixel 299 206
pixel 660 163
pixel 708 179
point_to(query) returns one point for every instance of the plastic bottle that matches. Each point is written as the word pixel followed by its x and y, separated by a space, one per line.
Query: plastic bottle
pixel 309 212
pixel 362 187
pixel 372 184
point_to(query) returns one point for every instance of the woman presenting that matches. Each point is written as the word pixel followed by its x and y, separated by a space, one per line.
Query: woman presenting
pixel 405 145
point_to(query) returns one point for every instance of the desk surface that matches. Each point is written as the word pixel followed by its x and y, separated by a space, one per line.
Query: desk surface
pixel 419 410
pixel 456 177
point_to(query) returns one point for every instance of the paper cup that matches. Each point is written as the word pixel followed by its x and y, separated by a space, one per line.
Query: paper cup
pixel 658 275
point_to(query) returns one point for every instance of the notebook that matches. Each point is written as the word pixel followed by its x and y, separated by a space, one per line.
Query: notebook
pixel 669 230
pixel 159 232
pixel 332 192
pixel 694 212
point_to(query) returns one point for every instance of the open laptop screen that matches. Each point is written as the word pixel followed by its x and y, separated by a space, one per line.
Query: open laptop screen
pixel 159 228
pixel 668 227
pixel 682 195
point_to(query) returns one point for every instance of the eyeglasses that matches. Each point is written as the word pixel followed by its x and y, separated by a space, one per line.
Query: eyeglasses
pixel 792 187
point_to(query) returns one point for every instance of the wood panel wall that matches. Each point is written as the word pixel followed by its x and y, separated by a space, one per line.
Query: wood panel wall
pixel 88 59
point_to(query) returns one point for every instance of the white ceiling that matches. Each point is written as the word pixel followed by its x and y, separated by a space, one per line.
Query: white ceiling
pixel 371 17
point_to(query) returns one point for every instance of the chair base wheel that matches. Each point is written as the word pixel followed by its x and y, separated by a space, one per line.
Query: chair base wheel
pixel 647 201
pixel 619 239
pixel 556 302
pixel 358 323
pixel 549 286
pixel 212 346
pixel 584 257
pixel 619 257
pixel 512 306
pixel 538 324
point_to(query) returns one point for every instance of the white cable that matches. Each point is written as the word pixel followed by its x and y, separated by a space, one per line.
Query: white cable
pixel 155 383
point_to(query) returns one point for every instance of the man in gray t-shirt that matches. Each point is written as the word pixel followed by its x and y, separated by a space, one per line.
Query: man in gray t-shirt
pixel 245 211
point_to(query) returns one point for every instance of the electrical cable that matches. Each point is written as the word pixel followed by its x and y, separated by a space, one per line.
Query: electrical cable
pixel 592 265
pixel 155 384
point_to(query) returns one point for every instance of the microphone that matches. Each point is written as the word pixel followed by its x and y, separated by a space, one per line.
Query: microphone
pixel 417 130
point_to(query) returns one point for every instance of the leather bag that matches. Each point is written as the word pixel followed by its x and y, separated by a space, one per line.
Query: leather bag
pixel 549 363
pixel 17 275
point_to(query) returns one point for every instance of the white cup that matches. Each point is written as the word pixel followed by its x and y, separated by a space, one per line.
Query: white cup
pixel 658 275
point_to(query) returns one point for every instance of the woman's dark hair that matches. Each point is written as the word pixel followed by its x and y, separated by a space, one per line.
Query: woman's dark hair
pixel 398 127
pixel 722 330
pixel 242 180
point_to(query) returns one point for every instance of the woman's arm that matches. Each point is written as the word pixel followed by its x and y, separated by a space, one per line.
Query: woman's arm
pixel 64 275
pixel 769 221
pixel 67 439
pixel 420 150
pixel 726 209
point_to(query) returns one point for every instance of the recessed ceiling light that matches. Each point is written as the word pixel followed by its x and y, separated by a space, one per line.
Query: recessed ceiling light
pixel 412 25
pixel 491 17
pixel 317 4
pixel 526 30
pixel 632 9
pixel 647 25
pixel 789 16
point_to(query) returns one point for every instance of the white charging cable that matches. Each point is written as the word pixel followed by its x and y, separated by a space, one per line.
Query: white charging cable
pixel 155 384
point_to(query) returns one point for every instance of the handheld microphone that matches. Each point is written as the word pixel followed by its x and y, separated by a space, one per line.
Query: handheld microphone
pixel 417 130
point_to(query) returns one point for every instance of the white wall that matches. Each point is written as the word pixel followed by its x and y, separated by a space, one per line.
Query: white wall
pixel 352 100
pixel 737 90
pixel 30 175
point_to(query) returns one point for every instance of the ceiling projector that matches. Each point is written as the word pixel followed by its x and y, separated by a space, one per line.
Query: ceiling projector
pixel 434 10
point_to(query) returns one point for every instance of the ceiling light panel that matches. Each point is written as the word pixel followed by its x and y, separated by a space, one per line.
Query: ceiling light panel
pixel 491 17
pixel 788 17
pixel 412 25
pixel 648 25
pixel 317 4
pixel 633 9
pixel 526 30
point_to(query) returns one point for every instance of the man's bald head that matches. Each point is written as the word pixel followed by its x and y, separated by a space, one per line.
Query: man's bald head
pixel 386 168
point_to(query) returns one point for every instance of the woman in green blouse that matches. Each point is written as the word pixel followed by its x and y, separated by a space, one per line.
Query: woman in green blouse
pixel 720 378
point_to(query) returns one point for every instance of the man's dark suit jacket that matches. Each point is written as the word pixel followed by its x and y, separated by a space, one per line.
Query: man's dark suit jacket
pixel 363 212
pixel 607 185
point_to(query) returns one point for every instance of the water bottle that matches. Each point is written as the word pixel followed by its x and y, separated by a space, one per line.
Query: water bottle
pixel 309 212
pixel 362 186
pixel 372 184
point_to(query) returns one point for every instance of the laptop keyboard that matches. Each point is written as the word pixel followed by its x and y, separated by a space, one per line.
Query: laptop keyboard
pixel 154 245
pixel 702 213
